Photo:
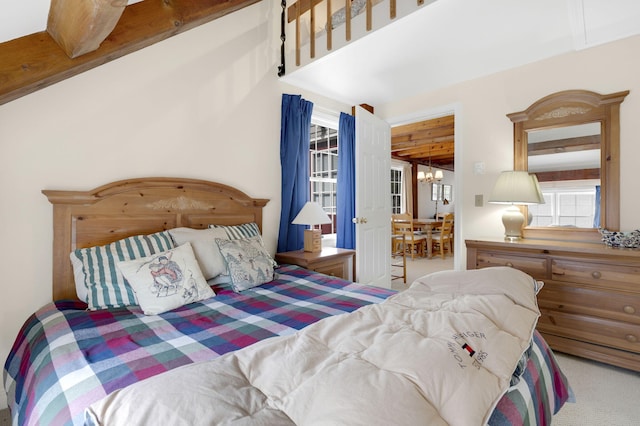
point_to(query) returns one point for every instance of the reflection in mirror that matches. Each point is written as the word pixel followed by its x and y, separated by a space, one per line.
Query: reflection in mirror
pixel 566 161
pixel 580 130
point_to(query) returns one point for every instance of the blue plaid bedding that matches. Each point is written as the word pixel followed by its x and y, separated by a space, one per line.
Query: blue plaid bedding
pixel 66 357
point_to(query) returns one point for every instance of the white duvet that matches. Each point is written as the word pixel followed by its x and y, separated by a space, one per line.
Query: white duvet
pixel 441 352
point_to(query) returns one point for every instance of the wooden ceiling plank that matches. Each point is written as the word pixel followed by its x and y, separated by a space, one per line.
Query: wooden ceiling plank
pixel 433 144
pixel 447 121
pixel 417 142
pixel 430 134
pixel 35 61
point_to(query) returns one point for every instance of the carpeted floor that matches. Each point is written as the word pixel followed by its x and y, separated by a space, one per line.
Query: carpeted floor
pixel 422 266
pixel 605 395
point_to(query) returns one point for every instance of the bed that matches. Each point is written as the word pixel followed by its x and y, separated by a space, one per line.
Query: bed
pixel 72 355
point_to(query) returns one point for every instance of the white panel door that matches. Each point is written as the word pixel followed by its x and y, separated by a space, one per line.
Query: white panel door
pixel 373 199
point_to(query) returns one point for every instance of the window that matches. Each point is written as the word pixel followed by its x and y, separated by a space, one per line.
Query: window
pixel 323 171
pixel 396 191
pixel 565 205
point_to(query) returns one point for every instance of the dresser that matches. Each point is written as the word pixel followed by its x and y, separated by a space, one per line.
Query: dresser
pixel 590 302
pixel 330 261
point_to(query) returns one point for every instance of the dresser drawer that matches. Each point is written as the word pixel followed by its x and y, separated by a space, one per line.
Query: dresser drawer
pixel 609 275
pixel 572 298
pixel 534 266
pixel 615 334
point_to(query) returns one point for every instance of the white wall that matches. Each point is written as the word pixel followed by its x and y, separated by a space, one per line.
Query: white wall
pixel 427 207
pixel 485 134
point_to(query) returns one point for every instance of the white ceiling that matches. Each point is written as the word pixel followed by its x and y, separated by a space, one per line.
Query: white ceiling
pixel 457 40
pixel 450 41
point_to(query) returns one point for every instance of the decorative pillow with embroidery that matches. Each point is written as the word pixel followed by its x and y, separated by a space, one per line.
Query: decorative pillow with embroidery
pixel 99 282
pixel 167 280
pixel 248 263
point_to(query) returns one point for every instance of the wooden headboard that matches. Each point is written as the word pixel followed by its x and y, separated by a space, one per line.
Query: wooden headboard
pixel 138 206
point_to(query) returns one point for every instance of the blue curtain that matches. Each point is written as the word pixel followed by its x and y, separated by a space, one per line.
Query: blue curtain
pixel 346 202
pixel 294 163
pixel 596 216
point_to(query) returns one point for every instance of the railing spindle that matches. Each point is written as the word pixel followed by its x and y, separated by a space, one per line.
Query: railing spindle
pixel 312 31
pixel 329 26
pixel 347 5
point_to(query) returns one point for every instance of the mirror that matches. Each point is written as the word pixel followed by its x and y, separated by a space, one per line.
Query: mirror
pixel 571 141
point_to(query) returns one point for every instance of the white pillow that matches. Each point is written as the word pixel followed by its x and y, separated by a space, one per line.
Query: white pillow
pixel 166 281
pixel 203 242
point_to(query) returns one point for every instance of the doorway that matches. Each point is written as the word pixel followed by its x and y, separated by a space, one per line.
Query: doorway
pixel 455 112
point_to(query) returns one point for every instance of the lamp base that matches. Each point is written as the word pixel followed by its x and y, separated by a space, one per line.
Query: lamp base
pixel 512 219
pixel 313 240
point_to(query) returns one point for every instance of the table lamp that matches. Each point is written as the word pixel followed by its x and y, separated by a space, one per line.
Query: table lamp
pixel 516 187
pixel 312 214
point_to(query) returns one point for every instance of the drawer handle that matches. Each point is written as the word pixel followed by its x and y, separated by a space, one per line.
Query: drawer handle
pixel 509 264
pixel 629 309
pixel 596 274
pixel 631 338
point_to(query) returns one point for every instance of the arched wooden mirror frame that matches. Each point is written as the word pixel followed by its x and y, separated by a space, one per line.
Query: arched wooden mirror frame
pixel 569 108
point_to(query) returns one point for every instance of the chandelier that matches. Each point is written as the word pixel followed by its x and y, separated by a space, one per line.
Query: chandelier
pixel 429 177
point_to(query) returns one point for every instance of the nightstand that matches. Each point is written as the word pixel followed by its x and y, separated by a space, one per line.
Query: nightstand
pixel 331 261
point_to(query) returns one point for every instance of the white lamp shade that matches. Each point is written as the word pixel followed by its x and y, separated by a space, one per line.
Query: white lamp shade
pixel 537 186
pixel 311 214
pixel 421 175
pixel 516 187
pixel 439 174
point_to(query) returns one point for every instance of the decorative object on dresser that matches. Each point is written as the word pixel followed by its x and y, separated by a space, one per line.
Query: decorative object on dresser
pixel 590 302
pixel 337 262
pixel 515 187
pixel 621 239
pixel 312 214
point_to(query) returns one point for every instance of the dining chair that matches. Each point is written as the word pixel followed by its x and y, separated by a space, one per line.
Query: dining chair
pixel 403 236
pixel 441 239
pixel 398 259
pixel 401 217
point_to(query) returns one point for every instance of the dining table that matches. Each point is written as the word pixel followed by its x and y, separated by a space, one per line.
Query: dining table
pixel 426 226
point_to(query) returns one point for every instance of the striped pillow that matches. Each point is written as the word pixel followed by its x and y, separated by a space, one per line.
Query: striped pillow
pixel 239 232
pixel 95 268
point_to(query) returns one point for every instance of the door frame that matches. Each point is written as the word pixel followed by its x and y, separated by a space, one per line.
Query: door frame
pixel 459 250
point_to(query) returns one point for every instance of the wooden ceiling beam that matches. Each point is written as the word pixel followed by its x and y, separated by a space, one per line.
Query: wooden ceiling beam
pixel 560 175
pixel 422 153
pixel 80 26
pixel 581 143
pixel 36 61
pixel 425 137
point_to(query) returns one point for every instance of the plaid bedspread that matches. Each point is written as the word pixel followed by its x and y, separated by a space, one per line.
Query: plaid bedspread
pixel 66 357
